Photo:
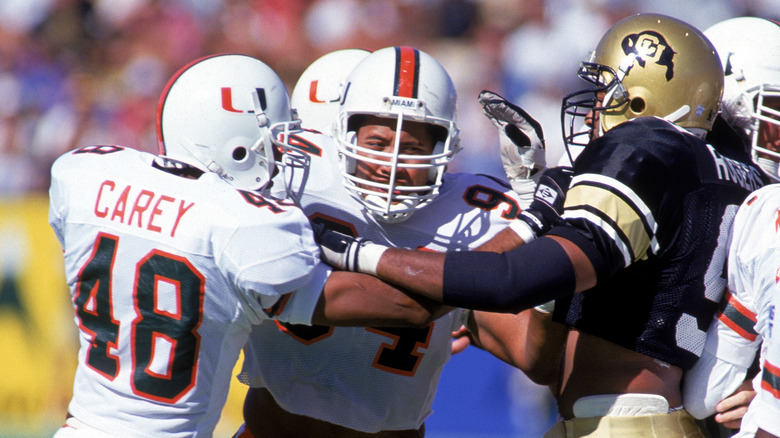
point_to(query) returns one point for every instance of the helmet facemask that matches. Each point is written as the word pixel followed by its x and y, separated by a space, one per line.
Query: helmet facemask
pixel 392 201
pixel 579 109
pixel 404 91
pixel 274 144
pixel 765 128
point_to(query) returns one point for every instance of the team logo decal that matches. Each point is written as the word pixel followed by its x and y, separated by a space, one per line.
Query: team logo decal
pixel 227 100
pixel 650 46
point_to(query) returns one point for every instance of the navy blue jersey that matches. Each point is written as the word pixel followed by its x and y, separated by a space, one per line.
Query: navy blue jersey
pixel 657 204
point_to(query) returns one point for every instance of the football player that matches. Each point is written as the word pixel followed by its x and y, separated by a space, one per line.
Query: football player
pixel 749 48
pixel 171 259
pixel 385 180
pixel 635 261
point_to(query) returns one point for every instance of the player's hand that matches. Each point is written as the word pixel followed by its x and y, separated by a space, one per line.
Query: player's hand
pixel 729 411
pixel 461 339
pixel 520 137
pixel 345 252
pixel 546 208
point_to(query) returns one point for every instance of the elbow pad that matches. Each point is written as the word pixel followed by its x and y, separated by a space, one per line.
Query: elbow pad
pixel 529 275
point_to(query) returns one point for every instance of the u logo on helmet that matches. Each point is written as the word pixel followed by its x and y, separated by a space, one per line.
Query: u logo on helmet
pixel 227 100
pixel 650 46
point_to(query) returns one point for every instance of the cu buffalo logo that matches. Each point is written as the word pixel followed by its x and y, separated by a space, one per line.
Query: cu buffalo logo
pixel 649 46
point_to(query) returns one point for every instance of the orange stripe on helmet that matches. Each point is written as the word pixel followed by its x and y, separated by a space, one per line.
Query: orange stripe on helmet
pixel 407 72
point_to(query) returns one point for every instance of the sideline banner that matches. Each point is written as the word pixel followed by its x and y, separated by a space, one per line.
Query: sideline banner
pixel 39 343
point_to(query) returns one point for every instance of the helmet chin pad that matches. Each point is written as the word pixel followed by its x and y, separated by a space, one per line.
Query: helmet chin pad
pixel 389 213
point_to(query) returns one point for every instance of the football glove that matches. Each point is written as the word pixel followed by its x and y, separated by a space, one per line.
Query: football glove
pixel 520 138
pixel 347 253
pixel 547 206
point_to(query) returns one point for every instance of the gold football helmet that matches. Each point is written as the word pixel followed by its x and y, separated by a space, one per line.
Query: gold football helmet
pixel 647 65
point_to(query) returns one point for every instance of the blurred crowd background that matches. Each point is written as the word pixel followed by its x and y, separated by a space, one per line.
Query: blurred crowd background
pixel 79 72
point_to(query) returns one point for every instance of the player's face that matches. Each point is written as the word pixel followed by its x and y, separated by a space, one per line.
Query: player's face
pixel 593 118
pixel 378 134
pixel 769 133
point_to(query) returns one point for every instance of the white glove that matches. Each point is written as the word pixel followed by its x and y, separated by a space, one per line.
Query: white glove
pixel 520 137
pixel 347 253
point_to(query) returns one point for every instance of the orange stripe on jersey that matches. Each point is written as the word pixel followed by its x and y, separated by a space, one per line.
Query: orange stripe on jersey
pixel 407 72
pixel 770 379
pixel 738 317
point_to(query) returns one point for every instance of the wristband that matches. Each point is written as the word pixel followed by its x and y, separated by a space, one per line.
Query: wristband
pixel 523 230
pixel 368 257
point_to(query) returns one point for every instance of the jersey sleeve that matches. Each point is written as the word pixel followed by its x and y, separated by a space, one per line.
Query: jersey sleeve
pixel 624 186
pixel 767 402
pixel 713 378
pixel 270 259
pixel 734 337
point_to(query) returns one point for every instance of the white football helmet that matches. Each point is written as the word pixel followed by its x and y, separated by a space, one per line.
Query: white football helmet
pixel 399 83
pixel 317 94
pixel 749 49
pixel 225 114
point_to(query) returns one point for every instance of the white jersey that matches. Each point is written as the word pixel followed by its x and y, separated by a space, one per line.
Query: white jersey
pixel 373 379
pixel 747 322
pixel 167 275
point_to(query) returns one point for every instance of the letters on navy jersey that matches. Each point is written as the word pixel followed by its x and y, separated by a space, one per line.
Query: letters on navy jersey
pixel 748 177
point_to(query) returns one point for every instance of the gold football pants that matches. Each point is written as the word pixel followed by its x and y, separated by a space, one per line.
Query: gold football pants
pixel 677 424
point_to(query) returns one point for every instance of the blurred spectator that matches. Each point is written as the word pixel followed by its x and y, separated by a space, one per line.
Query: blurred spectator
pixel 75 72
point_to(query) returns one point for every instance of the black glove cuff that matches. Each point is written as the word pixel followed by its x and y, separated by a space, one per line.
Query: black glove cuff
pixel 536 220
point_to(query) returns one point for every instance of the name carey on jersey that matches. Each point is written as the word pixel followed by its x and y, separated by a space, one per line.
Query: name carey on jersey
pixel 141 208
pixel 746 176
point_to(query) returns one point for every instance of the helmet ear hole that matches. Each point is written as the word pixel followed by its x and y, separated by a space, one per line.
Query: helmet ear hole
pixel 637 105
pixel 240 154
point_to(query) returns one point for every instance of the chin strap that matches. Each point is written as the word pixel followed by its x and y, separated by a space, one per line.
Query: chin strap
pixel 678 114
pixel 210 164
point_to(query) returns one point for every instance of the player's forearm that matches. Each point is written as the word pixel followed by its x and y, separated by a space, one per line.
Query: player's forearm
pixel 421 272
pixel 708 382
pixel 529 340
pixel 529 275
pixel 353 299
